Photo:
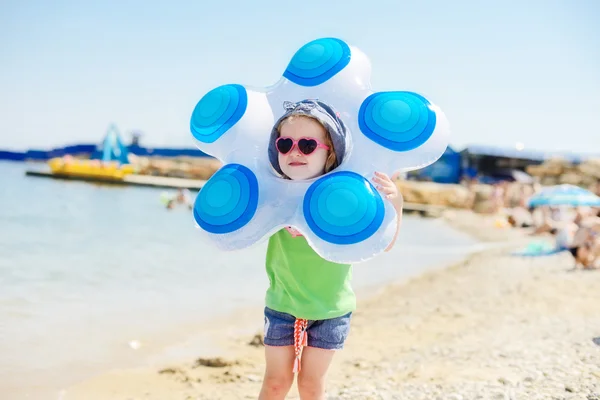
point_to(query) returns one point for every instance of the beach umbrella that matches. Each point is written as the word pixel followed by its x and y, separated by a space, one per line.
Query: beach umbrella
pixel 564 195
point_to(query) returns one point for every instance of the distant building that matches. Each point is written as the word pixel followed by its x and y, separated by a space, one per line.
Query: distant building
pixel 447 169
pixel 485 159
pixel 487 162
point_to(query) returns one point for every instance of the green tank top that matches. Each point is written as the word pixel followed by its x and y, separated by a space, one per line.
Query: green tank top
pixel 303 284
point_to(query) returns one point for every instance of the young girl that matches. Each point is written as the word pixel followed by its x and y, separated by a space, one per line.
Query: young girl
pixel 310 300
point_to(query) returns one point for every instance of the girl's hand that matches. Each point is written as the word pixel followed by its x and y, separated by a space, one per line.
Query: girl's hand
pixel 386 186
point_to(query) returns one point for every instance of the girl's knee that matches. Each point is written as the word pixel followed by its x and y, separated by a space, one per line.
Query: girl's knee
pixel 311 386
pixel 277 384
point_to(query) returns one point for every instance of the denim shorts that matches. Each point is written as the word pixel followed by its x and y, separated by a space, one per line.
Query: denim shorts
pixel 329 334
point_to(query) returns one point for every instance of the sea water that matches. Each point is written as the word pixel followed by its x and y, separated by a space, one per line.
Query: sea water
pixel 86 268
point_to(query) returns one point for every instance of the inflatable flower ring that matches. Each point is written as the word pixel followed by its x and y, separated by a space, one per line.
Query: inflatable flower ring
pixel 341 214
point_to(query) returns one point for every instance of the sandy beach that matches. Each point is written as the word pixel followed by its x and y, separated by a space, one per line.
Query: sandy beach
pixel 493 326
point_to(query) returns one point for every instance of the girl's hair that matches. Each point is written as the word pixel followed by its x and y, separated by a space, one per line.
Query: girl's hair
pixel 332 162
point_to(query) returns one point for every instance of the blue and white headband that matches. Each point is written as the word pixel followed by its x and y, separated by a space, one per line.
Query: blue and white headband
pixel 323 113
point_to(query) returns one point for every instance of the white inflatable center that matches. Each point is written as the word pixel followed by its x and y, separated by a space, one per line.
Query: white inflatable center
pixel 341 214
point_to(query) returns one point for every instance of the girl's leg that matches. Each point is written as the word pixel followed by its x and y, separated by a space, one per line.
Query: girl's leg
pixel 278 374
pixel 311 379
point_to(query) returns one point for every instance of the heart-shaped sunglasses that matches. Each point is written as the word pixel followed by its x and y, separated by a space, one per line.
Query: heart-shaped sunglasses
pixel 306 145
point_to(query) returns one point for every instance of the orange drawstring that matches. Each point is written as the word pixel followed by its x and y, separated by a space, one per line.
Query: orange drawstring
pixel 300 340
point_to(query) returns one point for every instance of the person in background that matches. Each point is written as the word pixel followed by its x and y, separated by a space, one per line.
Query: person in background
pixel 585 246
pixel 181 197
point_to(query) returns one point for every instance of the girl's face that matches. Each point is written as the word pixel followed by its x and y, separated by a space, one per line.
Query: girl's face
pixel 295 164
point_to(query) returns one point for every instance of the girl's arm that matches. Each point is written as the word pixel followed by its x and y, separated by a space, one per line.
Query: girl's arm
pixel 386 186
pixel 398 223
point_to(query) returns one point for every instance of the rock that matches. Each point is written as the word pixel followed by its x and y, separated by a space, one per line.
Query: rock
pixel 544 170
pixel 571 179
pixel 232 377
pixel 170 371
pixel 257 340
pixel 190 168
pixel 177 374
pixel 590 168
pixel 558 171
pixel 549 180
pixel 434 193
pixel 216 362
pixel 504 381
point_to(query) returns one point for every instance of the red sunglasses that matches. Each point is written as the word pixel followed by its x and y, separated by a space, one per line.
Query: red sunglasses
pixel 306 145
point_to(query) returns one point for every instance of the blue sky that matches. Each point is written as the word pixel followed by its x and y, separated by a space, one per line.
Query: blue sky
pixel 504 72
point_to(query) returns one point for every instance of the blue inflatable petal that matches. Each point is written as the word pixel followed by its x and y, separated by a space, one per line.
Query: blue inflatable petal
pixel 399 121
pixel 343 208
pixel 228 201
pixel 318 61
pixel 217 111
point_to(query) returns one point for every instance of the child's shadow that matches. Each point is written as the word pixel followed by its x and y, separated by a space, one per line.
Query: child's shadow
pixel 596 340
